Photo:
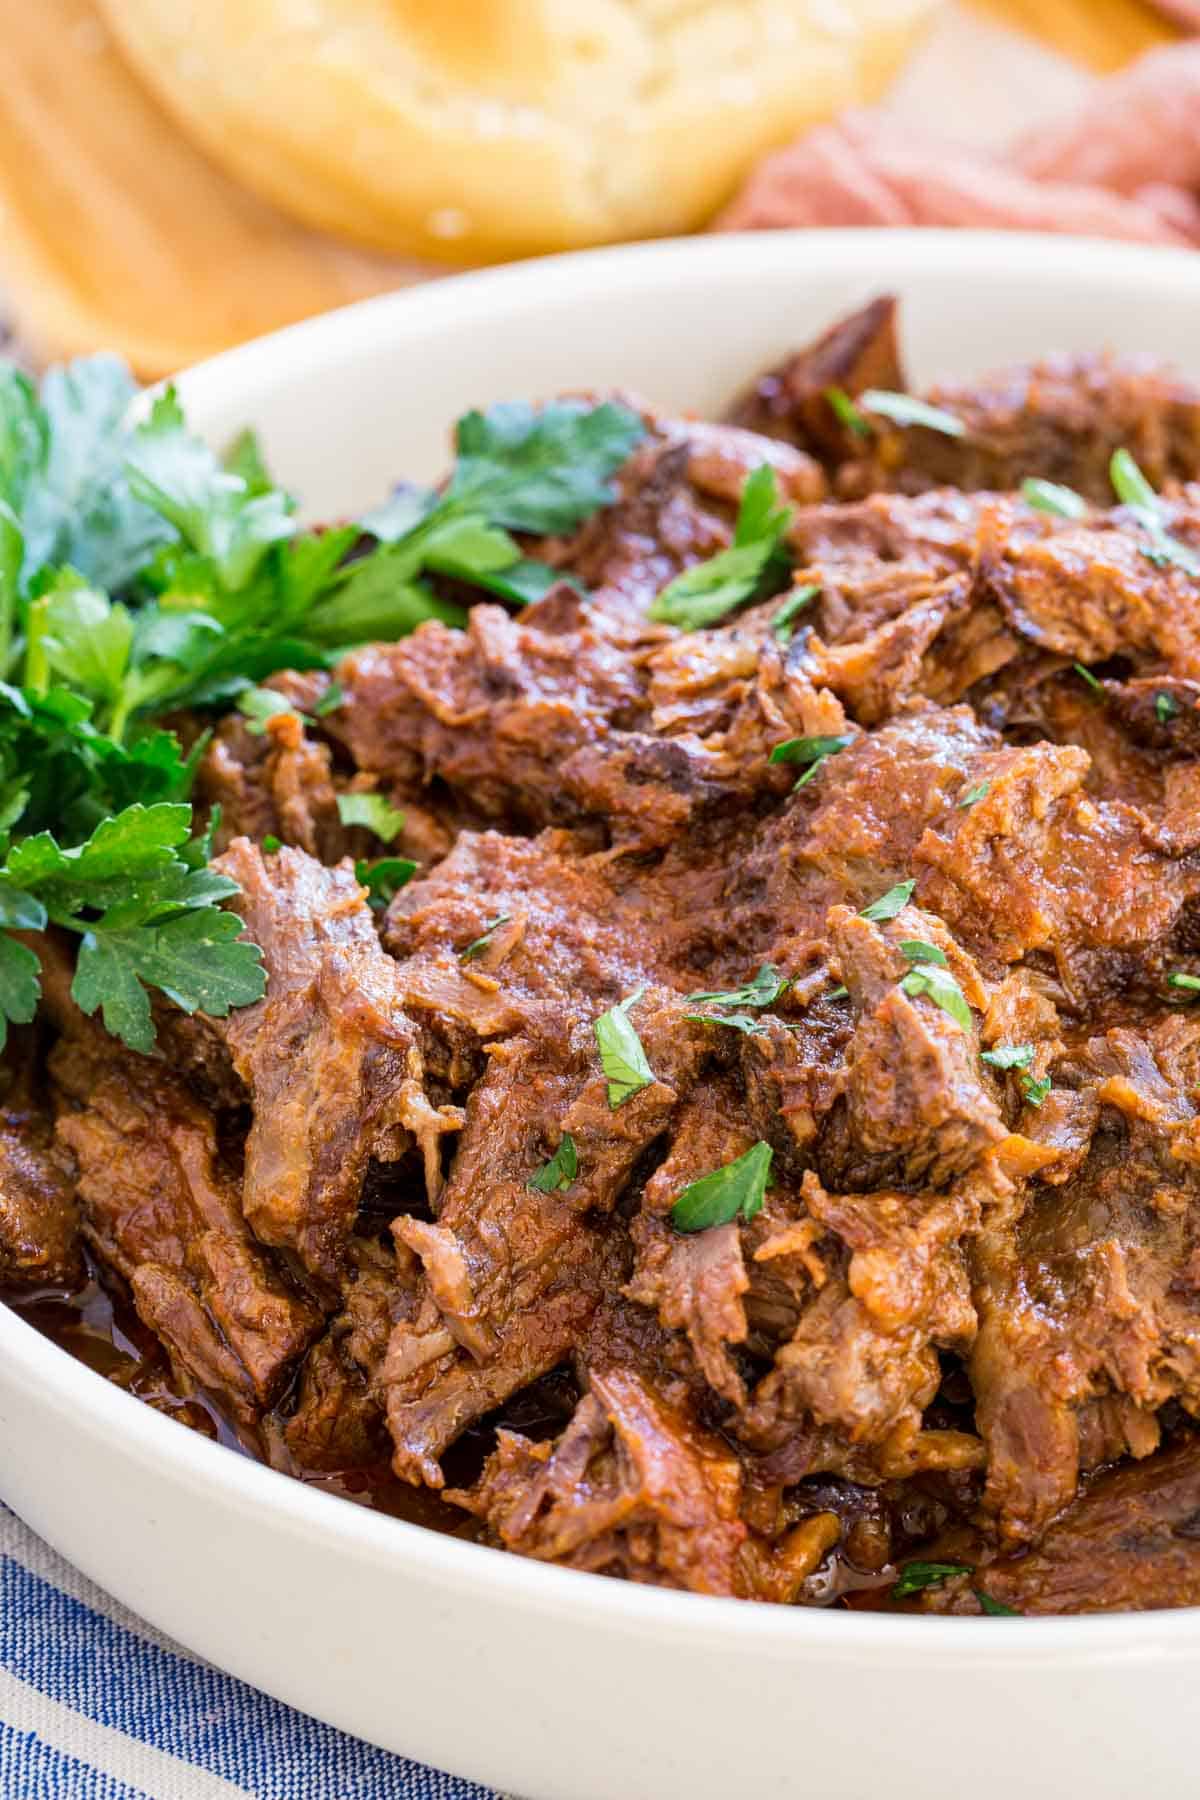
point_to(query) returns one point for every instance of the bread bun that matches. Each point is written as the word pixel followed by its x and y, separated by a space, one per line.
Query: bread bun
pixel 474 130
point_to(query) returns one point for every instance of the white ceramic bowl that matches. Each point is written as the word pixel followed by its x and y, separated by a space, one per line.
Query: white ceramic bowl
pixel 557 1685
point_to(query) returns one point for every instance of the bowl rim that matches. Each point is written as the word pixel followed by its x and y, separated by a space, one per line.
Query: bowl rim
pixel 84 1401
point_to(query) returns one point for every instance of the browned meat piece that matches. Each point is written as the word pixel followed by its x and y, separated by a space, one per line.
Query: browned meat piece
pixel 849 834
pixel 329 1059
pixel 1132 1542
pixel 1097 1292
pixel 337 1421
pixel 630 1488
pixel 494 711
pixel 512 1276
pixel 791 402
pixel 914 1108
pixel 577 936
pixel 39 1218
pixel 1089 594
pixel 161 1208
pixel 277 783
pixel 1036 865
pixel 1060 419
pixel 678 495
pixel 696 1282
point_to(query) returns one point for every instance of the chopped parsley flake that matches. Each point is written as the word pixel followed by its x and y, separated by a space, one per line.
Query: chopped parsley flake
pixel 783 621
pixel 707 591
pixel 888 905
pixel 1134 491
pixel 560 1171
pixel 905 410
pixel 979 792
pixel 621 1055
pixel 736 1189
pixel 764 989
pixel 1008 1056
pixel 811 750
pixel 846 412
pixel 918 951
pixel 995 1609
pixel 375 811
pixel 915 1577
pixel 1035 1091
pixel 478 945
pixel 1050 497
pixel 1166 708
pixel 939 985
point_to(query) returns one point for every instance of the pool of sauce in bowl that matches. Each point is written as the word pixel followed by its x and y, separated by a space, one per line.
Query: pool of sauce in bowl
pixel 100 1329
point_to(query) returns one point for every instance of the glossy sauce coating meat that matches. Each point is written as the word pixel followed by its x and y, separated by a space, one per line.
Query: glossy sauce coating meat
pixel 403 1209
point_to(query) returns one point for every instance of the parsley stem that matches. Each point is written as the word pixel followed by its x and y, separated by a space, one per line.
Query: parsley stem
pixel 37 663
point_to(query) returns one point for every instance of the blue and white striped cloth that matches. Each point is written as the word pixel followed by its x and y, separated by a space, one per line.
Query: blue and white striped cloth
pixel 97 1705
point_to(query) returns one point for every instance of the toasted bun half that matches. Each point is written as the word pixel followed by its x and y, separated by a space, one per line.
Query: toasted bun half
pixel 474 130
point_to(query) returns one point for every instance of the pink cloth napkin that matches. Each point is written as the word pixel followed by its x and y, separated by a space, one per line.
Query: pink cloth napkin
pixel 1125 164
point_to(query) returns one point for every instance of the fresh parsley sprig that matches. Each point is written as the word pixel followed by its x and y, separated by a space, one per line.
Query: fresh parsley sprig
pixel 141 576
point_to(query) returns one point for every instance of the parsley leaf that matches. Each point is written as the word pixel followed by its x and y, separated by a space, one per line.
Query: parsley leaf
pixel 783 621
pixel 939 985
pixel 1134 491
pixel 258 704
pixel 995 1609
pixel 384 877
pixel 1035 1091
pixel 973 795
pixel 916 1576
pixel 62 472
pixel 738 1188
pixel 811 750
pixel 764 989
pixel 1008 1056
pixel 146 918
pixel 478 945
pixel 890 904
pixel 375 811
pixel 621 1055
pixel 905 410
pixel 541 469
pixel 1050 497
pixel 918 951
pixel 705 593
pixel 738 1021
pixel 214 512
pixel 1166 708
pixel 846 412
pixel 560 1171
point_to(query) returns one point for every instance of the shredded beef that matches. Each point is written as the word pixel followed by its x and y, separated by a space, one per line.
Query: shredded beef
pixel 417 1209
